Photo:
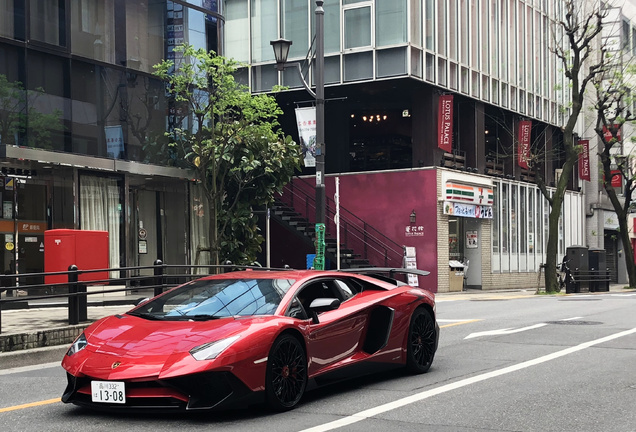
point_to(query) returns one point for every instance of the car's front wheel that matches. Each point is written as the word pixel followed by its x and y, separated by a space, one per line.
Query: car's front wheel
pixel 286 376
pixel 421 341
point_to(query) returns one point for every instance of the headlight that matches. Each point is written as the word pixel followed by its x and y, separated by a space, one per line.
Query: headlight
pixel 79 344
pixel 211 350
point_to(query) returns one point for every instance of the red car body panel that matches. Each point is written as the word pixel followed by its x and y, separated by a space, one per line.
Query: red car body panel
pixel 136 350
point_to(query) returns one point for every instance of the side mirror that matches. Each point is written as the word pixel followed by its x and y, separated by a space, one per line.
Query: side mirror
pixel 320 305
pixel 141 300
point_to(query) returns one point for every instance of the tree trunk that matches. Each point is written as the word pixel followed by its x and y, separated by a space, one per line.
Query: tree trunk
pixel 552 249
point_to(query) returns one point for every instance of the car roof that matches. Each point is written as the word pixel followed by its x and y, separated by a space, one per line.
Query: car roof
pixel 273 274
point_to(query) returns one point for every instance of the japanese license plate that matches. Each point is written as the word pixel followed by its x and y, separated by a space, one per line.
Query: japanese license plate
pixel 108 392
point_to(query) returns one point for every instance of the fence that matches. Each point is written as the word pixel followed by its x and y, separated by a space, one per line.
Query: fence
pixel 160 277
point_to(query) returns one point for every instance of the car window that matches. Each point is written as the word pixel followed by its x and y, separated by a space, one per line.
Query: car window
pixel 317 289
pixel 296 310
pixel 211 298
pixel 347 290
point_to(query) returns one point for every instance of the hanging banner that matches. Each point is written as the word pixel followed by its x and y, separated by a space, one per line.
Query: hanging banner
pixel 306 120
pixel 525 131
pixel 607 133
pixel 445 123
pixel 584 160
pixel 114 141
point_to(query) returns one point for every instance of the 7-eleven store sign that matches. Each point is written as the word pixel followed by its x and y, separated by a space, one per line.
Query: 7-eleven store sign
pixel 468 194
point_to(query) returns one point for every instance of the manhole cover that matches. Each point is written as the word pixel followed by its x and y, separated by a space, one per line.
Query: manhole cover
pixel 575 322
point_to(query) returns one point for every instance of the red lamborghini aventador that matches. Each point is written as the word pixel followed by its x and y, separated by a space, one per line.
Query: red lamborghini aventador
pixel 251 335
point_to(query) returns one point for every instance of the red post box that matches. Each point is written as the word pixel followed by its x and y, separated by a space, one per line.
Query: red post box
pixel 88 250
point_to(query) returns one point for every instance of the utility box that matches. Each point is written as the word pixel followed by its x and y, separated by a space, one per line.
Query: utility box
pixel 88 250
pixel 456 276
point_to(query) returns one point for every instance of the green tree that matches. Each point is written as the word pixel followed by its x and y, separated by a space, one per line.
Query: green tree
pixel 576 46
pixel 232 141
pixel 613 106
pixel 18 116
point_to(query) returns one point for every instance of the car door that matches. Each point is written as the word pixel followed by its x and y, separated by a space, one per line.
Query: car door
pixel 338 334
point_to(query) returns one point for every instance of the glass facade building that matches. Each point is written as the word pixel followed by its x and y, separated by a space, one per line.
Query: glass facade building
pixel 82 123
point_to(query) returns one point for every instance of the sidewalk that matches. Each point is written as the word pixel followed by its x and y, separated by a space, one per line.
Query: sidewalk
pixel 40 329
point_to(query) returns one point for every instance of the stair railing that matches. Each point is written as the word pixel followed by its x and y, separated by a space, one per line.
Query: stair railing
pixel 356 234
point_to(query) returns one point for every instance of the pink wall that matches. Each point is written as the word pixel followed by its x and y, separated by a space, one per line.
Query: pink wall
pixel 385 200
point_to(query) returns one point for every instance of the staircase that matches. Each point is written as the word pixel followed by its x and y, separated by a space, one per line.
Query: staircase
pixel 361 244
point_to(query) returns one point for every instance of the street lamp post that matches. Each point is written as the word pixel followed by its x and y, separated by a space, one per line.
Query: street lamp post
pixel 281 50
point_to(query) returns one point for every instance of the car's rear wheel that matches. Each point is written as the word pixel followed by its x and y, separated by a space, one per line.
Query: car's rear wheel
pixel 421 342
pixel 286 376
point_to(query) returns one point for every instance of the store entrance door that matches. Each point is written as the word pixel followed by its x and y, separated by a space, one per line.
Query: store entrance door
pixel 23 231
pixel 472 253
pixel 465 247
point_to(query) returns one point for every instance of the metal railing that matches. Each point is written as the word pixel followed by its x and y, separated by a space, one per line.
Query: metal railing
pixel 356 234
pixel 160 277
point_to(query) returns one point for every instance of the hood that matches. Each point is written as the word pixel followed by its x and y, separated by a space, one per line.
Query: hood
pixel 145 348
pixel 134 336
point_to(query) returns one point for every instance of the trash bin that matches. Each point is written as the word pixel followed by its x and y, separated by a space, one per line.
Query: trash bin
pixel 455 276
pixel 598 270
pixel 578 265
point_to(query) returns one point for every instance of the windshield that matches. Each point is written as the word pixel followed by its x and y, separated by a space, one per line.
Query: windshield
pixel 211 299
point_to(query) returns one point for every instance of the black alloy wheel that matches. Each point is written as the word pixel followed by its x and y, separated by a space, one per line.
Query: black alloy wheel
pixel 421 342
pixel 286 376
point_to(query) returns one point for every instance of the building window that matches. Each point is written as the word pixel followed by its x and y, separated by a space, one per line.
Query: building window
pixel 93 29
pixel 264 28
pixel 332 27
pixel 47 20
pixel 430 24
pixel 357 27
pixel 294 24
pixel 390 22
pixel 520 226
pixel 236 38
pixel 416 23
pixel 145 23
pixel 441 28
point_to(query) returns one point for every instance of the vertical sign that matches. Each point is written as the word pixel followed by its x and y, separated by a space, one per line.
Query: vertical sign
pixel 445 123
pixel 410 262
pixel 114 141
pixel 525 130
pixel 584 160
pixel 306 120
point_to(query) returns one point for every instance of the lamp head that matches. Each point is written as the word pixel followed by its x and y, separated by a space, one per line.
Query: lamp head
pixel 281 51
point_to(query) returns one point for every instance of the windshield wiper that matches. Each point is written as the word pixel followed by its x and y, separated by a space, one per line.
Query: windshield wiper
pixel 202 317
pixel 147 316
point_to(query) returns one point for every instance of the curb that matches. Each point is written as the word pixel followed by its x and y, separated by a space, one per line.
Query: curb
pixel 34 356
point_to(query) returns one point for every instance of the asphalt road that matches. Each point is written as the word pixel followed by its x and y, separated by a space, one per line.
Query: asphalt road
pixel 518 363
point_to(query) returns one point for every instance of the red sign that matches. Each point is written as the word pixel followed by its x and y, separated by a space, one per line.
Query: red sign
pixel 617 179
pixel 525 131
pixel 445 123
pixel 607 134
pixel 584 160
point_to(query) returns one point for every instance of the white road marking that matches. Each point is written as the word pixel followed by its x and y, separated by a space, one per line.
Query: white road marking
pixel 30 368
pixel 571 319
pixel 363 415
pixel 504 331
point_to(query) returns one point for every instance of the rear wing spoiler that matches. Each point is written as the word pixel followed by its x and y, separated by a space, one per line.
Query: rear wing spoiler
pixel 390 270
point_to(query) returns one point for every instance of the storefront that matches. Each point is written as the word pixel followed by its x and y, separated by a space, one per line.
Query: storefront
pixel 467 202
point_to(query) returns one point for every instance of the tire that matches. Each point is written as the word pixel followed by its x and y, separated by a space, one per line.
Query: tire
pixel 421 342
pixel 286 376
